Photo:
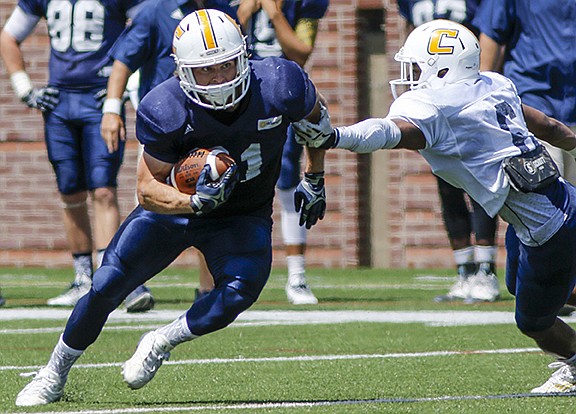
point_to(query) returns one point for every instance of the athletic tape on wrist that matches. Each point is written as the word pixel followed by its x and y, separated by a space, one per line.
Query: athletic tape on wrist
pixel 21 83
pixel 112 105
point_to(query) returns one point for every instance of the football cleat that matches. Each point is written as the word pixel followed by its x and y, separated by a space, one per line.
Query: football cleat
pixel 562 381
pixel 460 289
pixel 45 388
pixel 483 287
pixel 152 350
pixel 139 300
pixel 2 300
pixel 77 289
pixel 300 294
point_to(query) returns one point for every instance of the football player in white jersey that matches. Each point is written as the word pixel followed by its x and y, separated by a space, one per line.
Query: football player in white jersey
pixel 476 134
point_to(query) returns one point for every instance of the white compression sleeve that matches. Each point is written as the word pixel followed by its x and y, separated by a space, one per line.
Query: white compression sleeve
pixel 369 135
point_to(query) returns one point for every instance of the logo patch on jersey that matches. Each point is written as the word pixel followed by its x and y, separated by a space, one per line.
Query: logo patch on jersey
pixel 188 129
pixel 264 124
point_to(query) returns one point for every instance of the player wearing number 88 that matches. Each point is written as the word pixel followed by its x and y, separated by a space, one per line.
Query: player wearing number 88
pixel 219 99
pixel 81 34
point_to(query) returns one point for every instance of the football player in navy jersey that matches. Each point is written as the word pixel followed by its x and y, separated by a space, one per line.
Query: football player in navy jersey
pixel 471 232
pixel 81 33
pixel 146 46
pixel 218 99
pixel 286 29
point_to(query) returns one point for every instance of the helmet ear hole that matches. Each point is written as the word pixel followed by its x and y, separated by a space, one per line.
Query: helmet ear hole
pixel 442 72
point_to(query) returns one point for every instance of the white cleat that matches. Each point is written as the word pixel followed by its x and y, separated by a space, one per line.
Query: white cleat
pixel 300 295
pixel 45 388
pixel 458 291
pixel 78 289
pixel 152 350
pixel 562 381
pixel 484 287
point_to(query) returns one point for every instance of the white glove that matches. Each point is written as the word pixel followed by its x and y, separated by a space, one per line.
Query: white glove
pixel 314 135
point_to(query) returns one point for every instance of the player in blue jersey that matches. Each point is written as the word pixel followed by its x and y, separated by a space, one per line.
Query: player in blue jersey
pixel 418 12
pixel 286 29
pixel 540 61
pixel 218 99
pixel 471 232
pixel 474 131
pixel 146 46
pixel 81 33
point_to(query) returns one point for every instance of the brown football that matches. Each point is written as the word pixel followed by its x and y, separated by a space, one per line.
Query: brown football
pixel 184 174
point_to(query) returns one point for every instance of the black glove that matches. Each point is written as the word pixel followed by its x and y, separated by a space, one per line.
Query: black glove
pixel 310 196
pixel 210 194
pixel 44 99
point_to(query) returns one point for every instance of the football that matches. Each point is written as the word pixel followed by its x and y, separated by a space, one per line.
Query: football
pixel 184 174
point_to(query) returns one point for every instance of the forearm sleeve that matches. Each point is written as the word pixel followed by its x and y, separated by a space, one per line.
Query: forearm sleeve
pixel 369 135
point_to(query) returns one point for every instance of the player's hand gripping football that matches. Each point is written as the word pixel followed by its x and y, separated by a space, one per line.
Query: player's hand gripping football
pixel 44 99
pixel 310 196
pixel 210 194
pixel 311 134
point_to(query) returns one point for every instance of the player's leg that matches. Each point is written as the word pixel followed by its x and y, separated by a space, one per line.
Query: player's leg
pixel 457 221
pixel 144 245
pixel 102 170
pixel 64 152
pixel 545 279
pixel 206 281
pixel 239 253
pixel 293 235
pixel 484 285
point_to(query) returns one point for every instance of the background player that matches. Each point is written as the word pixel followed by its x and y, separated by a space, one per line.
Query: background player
pixel 471 232
pixel 81 33
pixel 286 29
pixel 520 27
pixel 218 99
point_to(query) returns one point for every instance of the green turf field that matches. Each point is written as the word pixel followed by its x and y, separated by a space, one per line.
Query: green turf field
pixel 376 343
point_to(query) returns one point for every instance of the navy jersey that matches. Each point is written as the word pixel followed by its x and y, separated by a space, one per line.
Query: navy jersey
pixel 541 58
pixel 418 12
pixel 147 43
pixel 170 125
pixel 81 33
pixel 260 31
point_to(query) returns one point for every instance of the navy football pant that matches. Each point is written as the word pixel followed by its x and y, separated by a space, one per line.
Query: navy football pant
pixel 290 170
pixel 76 149
pixel 542 278
pixel 238 251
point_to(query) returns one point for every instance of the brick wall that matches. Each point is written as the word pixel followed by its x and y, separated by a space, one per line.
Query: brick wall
pixel 31 231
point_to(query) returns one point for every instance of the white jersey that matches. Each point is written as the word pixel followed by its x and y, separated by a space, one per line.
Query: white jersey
pixel 470 128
